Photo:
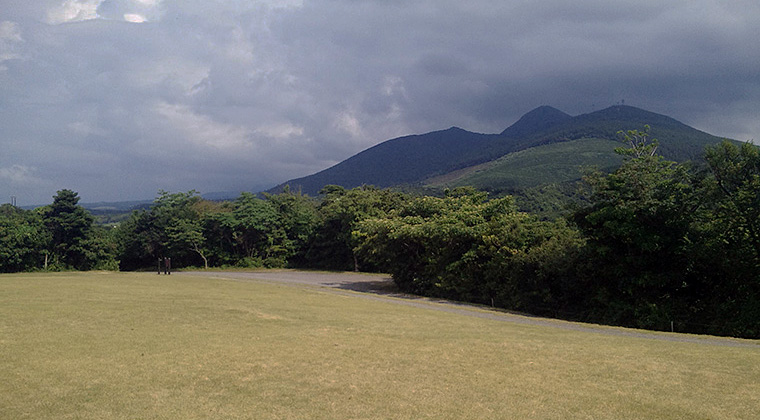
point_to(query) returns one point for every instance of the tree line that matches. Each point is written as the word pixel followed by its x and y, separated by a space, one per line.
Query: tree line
pixel 657 244
pixel 62 235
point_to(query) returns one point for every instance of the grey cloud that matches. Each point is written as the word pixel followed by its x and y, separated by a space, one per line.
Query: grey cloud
pixel 227 95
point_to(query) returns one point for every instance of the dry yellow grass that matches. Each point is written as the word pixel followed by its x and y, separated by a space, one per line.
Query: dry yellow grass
pixel 138 345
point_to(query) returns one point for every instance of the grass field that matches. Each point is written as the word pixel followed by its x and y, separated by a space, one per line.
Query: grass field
pixel 553 163
pixel 142 346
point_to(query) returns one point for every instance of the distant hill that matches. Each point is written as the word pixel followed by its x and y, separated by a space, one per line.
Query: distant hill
pixel 127 206
pixel 489 161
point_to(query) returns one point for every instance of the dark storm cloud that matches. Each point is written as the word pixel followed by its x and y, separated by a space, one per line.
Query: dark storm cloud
pixel 120 98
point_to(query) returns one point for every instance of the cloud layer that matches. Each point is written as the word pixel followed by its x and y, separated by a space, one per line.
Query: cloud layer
pixel 117 99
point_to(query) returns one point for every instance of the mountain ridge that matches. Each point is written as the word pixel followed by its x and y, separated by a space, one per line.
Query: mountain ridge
pixel 410 160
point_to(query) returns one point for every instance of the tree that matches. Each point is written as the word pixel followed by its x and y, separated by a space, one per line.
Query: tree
pixel 258 232
pixel 137 241
pixel 170 228
pixel 736 170
pixel 70 227
pixel 466 247
pixel 728 256
pixel 638 228
pixel 23 239
pixel 248 232
pixel 101 249
pixel 298 219
pixel 639 143
pixel 421 241
pixel 332 245
pixel 673 244
pixel 185 234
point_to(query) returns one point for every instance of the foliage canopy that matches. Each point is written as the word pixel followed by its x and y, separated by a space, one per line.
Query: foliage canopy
pixel 657 244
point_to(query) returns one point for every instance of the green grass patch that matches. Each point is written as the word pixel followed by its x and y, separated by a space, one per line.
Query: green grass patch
pixel 553 163
pixel 139 345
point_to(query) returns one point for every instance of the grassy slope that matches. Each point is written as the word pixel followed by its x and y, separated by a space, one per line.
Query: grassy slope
pixel 136 345
pixel 553 163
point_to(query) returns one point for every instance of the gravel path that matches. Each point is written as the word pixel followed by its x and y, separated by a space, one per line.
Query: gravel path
pixel 378 287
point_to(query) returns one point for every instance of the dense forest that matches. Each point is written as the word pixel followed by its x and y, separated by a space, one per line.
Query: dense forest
pixel 655 244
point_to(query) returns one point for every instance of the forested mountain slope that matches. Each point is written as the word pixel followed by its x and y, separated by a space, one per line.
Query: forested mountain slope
pixel 417 158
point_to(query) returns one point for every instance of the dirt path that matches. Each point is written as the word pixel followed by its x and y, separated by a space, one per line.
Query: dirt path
pixel 378 287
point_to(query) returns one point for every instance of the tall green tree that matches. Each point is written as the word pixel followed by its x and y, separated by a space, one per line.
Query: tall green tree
pixel 728 257
pixel 258 231
pixel 736 171
pixel 299 220
pixel 70 227
pixel 638 228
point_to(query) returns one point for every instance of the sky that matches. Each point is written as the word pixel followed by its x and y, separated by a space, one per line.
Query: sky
pixel 118 99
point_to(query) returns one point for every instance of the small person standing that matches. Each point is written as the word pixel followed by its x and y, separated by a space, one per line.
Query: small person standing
pixel 167 265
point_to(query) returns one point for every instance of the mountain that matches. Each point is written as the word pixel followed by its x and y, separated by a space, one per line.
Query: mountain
pixel 402 160
pixel 541 118
pixel 449 157
pixel 678 141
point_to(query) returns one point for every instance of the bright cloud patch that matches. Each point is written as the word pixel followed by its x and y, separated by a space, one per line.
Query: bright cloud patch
pixel 348 123
pixel 135 11
pixel 74 11
pixel 134 18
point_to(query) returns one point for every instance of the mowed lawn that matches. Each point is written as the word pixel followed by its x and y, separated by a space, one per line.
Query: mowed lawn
pixel 143 346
